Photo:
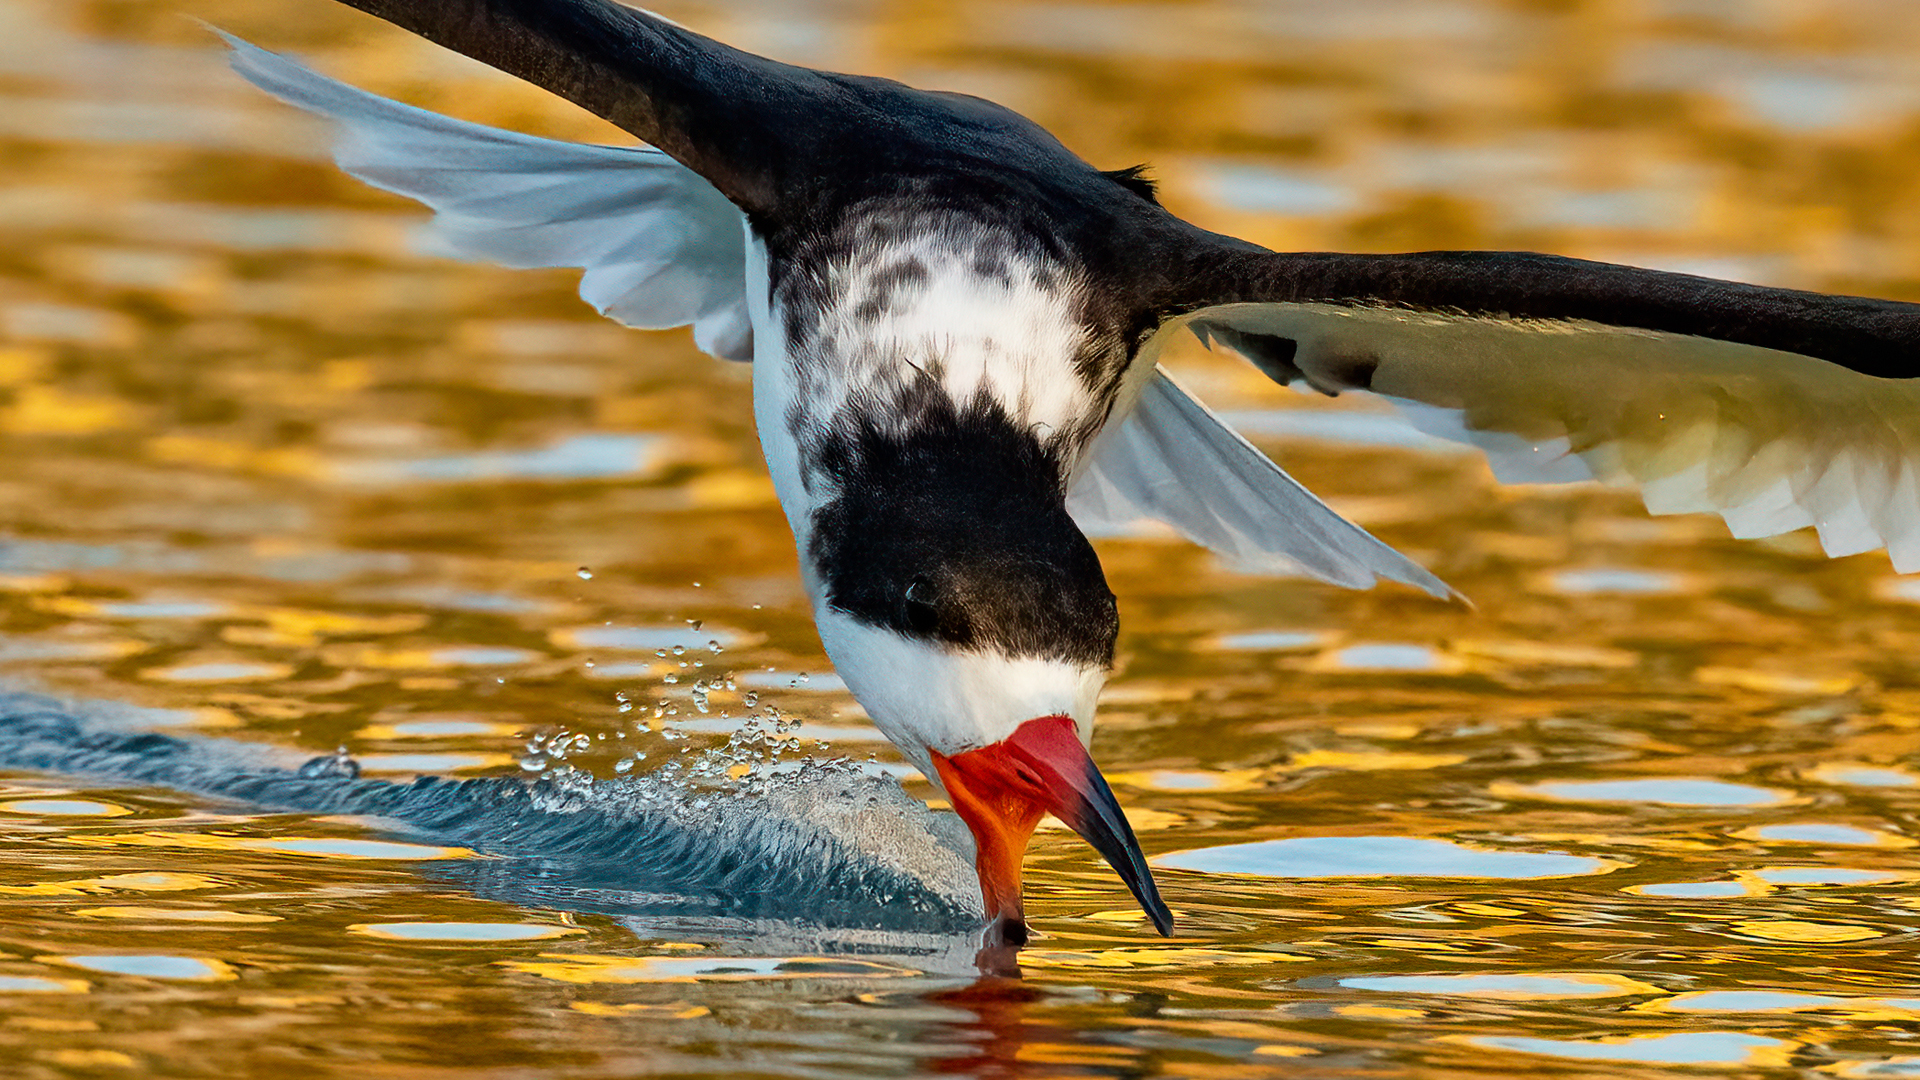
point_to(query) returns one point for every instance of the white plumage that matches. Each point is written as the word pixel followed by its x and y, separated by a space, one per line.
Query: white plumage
pixel 661 248
pixel 955 699
pixel 1000 334
pixel 1771 441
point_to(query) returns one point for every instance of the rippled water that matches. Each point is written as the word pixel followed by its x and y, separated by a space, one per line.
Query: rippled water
pixel 281 485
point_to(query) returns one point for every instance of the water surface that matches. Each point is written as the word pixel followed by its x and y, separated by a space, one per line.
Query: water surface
pixel 283 481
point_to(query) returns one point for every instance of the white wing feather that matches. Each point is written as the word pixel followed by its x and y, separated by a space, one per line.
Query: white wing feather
pixel 1771 441
pixel 660 246
pixel 1172 460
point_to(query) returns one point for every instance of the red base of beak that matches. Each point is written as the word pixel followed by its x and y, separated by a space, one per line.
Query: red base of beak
pixel 1002 790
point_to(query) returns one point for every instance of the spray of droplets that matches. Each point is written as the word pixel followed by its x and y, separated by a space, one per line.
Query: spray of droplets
pixel 761 742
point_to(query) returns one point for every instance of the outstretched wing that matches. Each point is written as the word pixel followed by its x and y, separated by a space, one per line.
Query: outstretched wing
pixel 1774 408
pixel 1172 460
pixel 660 246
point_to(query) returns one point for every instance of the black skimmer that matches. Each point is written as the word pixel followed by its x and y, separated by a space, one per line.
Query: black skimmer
pixel 953 323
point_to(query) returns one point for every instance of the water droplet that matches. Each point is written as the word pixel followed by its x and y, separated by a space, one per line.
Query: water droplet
pixel 585 574
pixel 670 679
pixel 694 623
pixel 625 706
pixel 623 766
pixel 750 699
pixel 588 663
pixel 713 646
pixel 696 584
pixel 533 764
pixel 679 650
pixel 338 766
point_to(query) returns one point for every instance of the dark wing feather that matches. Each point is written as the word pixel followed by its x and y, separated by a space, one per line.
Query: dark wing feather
pixel 1777 409
pixel 774 138
pixel 1873 337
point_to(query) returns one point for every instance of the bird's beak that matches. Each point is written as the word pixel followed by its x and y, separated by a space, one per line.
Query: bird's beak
pixel 1001 791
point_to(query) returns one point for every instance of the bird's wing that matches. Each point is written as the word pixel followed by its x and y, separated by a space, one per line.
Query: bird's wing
pixel 1172 460
pixel 660 246
pixel 1774 408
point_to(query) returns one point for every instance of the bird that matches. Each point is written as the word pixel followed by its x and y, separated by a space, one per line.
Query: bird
pixel 954 325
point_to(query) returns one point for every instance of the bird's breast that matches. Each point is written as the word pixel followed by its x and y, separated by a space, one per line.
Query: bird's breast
pixel 913 316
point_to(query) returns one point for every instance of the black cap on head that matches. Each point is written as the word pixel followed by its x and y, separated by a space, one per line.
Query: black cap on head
pixel 955 529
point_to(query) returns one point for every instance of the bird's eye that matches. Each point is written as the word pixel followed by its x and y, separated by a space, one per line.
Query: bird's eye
pixel 923 617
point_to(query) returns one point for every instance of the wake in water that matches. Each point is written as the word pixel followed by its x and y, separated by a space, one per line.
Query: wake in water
pixel 824 857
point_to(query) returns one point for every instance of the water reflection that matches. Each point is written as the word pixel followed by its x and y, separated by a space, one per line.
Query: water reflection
pixel 1686 1048
pixel 458 931
pixel 173 914
pixel 1614 581
pixel 582 968
pixel 1000 1028
pixel 1378 856
pixel 1386 656
pixel 31 984
pixel 1662 791
pixel 1505 987
pixel 186 968
pixel 283 477
pixel 62 808
pixel 1697 890
pixel 582 457
pixel 1813 833
pixel 1742 1001
pixel 1862 775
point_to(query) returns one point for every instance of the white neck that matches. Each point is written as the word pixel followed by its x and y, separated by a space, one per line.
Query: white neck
pixel 923 695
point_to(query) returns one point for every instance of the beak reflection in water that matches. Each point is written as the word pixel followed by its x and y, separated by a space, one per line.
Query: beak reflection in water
pixel 1002 790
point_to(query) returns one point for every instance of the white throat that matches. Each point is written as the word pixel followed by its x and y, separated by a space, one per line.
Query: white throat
pixel 925 697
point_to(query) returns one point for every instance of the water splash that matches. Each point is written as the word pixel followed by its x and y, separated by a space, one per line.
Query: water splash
pixel 821 845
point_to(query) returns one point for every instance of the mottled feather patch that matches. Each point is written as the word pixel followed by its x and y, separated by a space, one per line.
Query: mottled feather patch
pixel 909 301
pixel 891 288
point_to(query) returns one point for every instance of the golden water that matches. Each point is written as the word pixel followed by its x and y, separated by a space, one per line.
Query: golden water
pixel 274 474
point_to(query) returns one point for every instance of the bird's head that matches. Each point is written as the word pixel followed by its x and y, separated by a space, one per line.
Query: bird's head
pixel 970 616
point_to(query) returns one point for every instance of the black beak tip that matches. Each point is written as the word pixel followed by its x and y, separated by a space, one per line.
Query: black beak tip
pixel 1161 915
pixel 1104 825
